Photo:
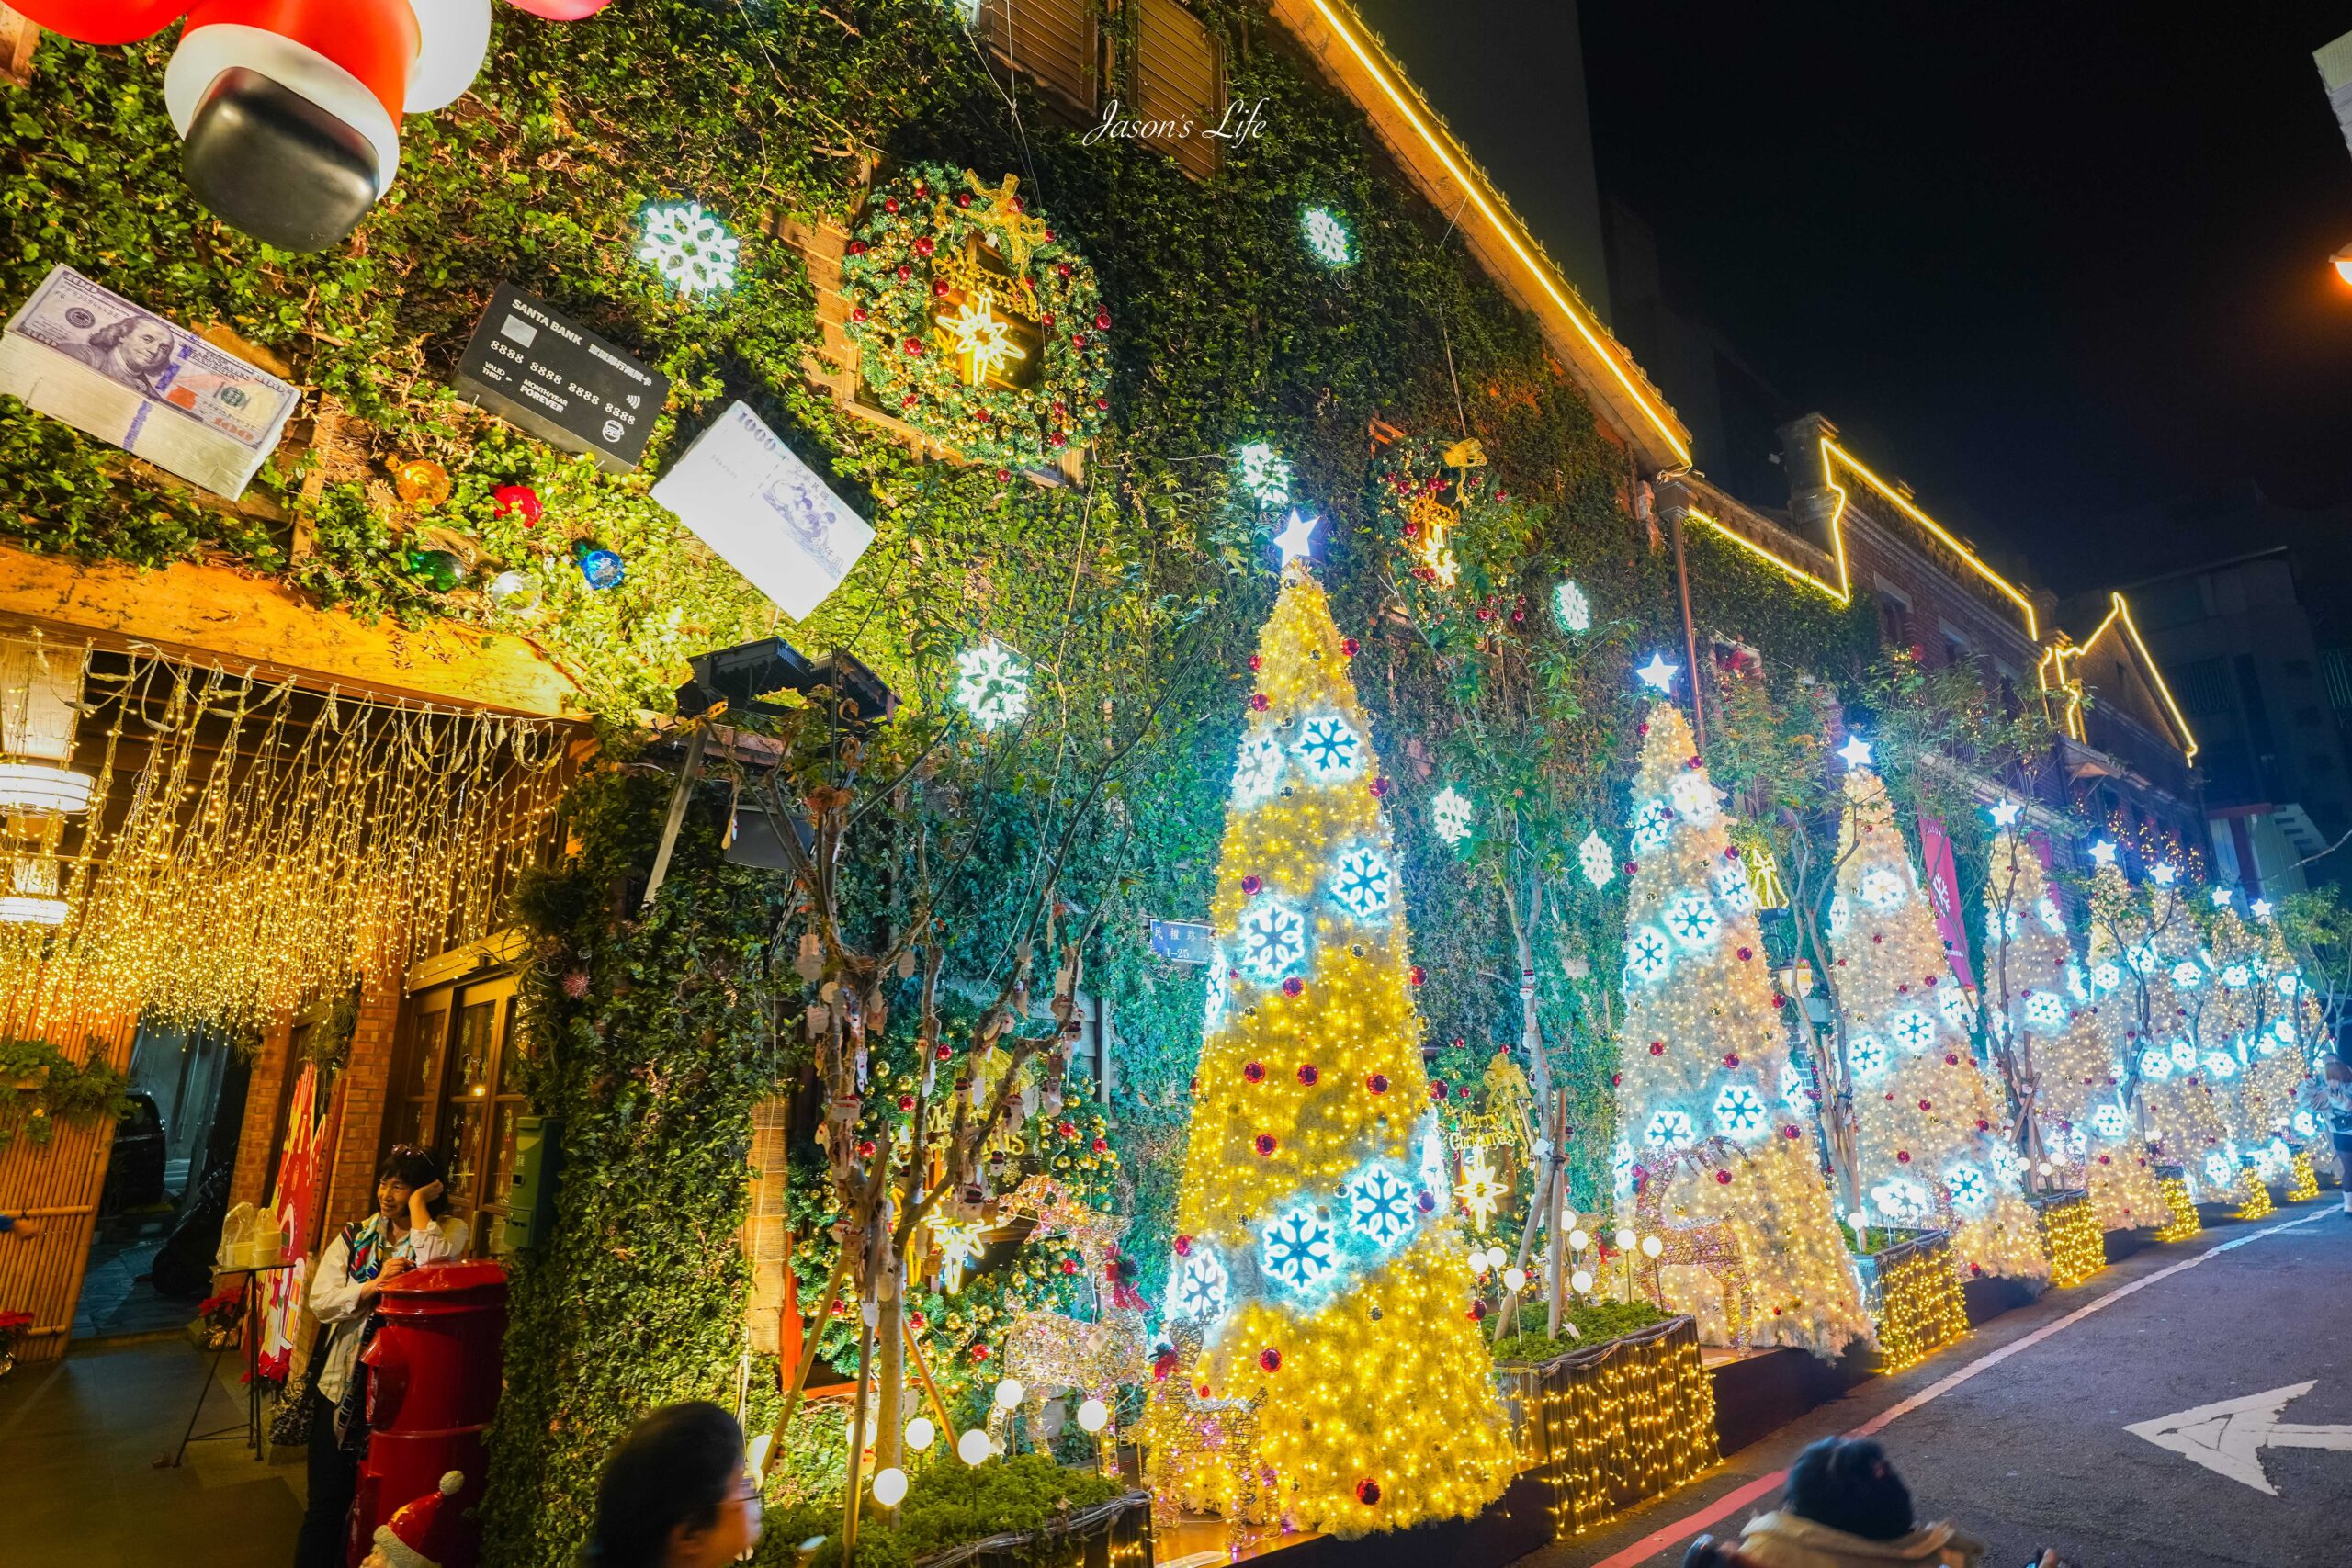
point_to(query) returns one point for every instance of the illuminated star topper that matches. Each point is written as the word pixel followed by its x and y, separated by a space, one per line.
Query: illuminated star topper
pixel 2103 854
pixel 1296 539
pixel 1856 751
pixel 1658 674
pixel 2221 897
pixel 2164 875
pixel 2004 812
pixel 2261 907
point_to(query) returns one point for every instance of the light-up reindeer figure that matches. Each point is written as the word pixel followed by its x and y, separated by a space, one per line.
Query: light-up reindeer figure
pixel 1053 1353
pixel 1202 1452
pixel 1712 1245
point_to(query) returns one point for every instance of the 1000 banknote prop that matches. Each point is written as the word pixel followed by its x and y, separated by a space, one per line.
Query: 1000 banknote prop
pixel 86 355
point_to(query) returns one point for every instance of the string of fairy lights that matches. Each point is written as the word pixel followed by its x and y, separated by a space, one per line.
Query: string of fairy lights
pixel 250 847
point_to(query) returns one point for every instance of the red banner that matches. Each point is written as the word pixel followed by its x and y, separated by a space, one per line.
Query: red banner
pixel 1943 894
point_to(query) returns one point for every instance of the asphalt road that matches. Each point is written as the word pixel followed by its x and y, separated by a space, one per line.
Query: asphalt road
pixel 2022 1432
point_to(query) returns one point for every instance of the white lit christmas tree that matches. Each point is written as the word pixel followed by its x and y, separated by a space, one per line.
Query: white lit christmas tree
pixel 1930 1145
pixel 2040 1002
pixel 2257 1024
pixel 1707 1103
pixel 2137 934
pixel 1327 1276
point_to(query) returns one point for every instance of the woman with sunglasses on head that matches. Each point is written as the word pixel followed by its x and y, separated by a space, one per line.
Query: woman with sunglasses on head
pixel 411 1224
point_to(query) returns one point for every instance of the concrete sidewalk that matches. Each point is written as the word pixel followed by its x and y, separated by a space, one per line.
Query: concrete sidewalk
pixel 78 1442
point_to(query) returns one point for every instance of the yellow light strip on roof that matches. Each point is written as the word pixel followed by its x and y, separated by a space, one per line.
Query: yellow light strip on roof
pixel 2032 623
pixel 1544 278
pixel 2156 675
pixel 1841 590
pixel 2061 651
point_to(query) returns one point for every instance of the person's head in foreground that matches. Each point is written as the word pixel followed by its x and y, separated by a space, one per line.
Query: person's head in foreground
pixel 1844 1506
pixel 676 1493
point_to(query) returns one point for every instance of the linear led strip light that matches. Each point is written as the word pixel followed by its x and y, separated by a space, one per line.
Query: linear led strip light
pixel 1831 450
pixel 2052 673
pixel 1406 103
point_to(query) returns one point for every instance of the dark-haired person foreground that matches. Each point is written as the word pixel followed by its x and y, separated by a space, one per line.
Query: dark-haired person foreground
pixel 1844 1508
pixel 411 1224
pixel 676 1493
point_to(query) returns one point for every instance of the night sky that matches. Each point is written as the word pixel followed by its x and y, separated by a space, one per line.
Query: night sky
pixel 2060 265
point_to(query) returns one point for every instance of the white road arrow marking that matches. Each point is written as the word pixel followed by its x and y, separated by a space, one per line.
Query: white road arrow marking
pixel 2229 1435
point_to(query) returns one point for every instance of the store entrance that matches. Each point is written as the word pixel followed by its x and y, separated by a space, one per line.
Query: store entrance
pixel 457 1090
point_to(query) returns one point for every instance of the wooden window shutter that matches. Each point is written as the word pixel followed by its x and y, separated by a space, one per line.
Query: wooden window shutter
pixel 1179 77
pixel 1056 43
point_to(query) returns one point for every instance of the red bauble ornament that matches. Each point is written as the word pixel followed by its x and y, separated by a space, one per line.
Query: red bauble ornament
pixel 1368 1492
pixel 1258 702
pixel 1265 1145
pixel 1927 1105
pixel 1293 987
pixel 1067 1129
pixel 1982 1125
pixel 1477 1312
pixel 1731 1058
pixel 1308 1073
pixel 1250 883
pixel 1427 1200
pixel 1256 663
pixel 1724 1176
pixel 865 1148
pixel 1253 1072
pixel 1416 976
pixel 1377 1083
pixel 1658 1047
pixel 1746 953
pixel 1791 1132
pixel 517 501
pixel 944 1052
pixel 1270 1359
pixel 857 247
pixel 1069 1265
pixel 912 348
pixel 1101 1146
pixel 1103 319
pixel 1349 645
pixel 1903 1157
pixel 906 1102
pixel 1183 1247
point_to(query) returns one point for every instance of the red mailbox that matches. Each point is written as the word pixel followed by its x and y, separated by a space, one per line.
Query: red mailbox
pixel 433 1382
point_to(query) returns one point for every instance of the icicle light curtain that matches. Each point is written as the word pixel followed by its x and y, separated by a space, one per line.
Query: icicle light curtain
pixel 255 845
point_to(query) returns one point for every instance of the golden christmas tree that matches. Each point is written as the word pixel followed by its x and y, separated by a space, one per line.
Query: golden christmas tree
pixel 2039 1001
pixel 1322 1268
pixel 1715 1139
pixel 1930 1136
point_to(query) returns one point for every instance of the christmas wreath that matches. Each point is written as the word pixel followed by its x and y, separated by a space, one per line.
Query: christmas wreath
pixel 975 324
pixel 1461 541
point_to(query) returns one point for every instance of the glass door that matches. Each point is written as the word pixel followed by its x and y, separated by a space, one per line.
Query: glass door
pixel 480 1101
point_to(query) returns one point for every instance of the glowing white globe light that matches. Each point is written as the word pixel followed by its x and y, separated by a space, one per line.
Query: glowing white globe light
pixel 1008 1393
pixel 1581 1279
pixel 1514 1280
pixel 1652 1246
pixel 890 1486
pixel 973 1447
pixel 1094 1415
pixel 921 1434
pixel 1578 1240
pixel 1625 1241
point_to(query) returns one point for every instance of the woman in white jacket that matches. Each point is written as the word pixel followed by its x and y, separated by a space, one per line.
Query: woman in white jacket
pixel 411 1224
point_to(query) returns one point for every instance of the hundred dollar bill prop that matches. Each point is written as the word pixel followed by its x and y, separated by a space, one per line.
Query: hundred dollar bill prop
pixel 86 355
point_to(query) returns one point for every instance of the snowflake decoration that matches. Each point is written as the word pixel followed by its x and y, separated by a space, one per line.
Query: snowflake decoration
pixel 2141 957
pixel 1695 798
pixel 1265 474
pixel 690 248
pixel 1867 1054
pixel 2220 1065
pixel 1330 748
pixel 2274 1159
pixel 2074 987
pixel 2187 977
pixel 2237 977
pixel 2219 1171
pixel 1380 1205
pixel 1651 825
pixel 981 337
pixel 1257 772
pixel 1364 884
pixel 2156 1064
pixel 2007 926
pixel 1481 1190
pixel 1880 889
pixel 2283 1030
pixel 1841 915
pixel 1200 1285
pixel 1913 1031
pixel 958 1243
pixel 1298 1249
pixel 1273 941
pixel 1734 888
pixel 1952 1002
pixel 2288 984
pixel 1967 1184
pixel 1738 1110
pixel 1691 917
pixel 1647 956
pixel 2106 978
pixel 2051 921
pixel 1902 1202
pixel 1327 237
pixel 2109 1121
pixel 2261 967
pixel 1621 1169
pixel 1571 608
pixel 1596 859
pixel 1670 1130
pixel 992 685
pixel 1220 992
pixel 2306 1124
pixel 1796 1093
pixel 1451 814
pixel 2043 1010
pixel 2184 1055
pixel 2008 1168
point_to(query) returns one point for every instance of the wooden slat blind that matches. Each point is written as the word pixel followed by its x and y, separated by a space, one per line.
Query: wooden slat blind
pixel 1056 43
pixel 1178 79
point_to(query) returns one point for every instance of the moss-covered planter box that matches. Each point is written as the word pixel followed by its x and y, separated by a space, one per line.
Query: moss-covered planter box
pixel 1913 1289
pixel 1116 1534
pixel 2071 1236
pixel 1613 1423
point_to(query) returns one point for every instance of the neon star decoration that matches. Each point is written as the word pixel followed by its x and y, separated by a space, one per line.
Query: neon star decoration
pixel 981 338
pixel 1481 1191
pixel 958 1242
pixel 1380 1206
pixel 1328 239
pixel 1658 674
pixel 1855 753
pixel 992 685
pixel 1363 884
pixel 2004 812
pixel 2221 898
pixel 1258 771
pixel 1738 1110
pixel 1571 608
pixel 1274 940
pixel 2163 875
pixel 690 248
pixel 2103 854
pixel 1298 1250
pixel 1670 1129
pixel 2261 907
pixel 1296 541
pixel 1597 860
pixel 1451 814
pixel 1265 474
pixel 1330 748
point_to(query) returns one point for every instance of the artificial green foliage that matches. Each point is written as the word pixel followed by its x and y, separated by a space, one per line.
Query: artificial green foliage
pixel 948 1503
pixel 40 1085
pixel 1595 1321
